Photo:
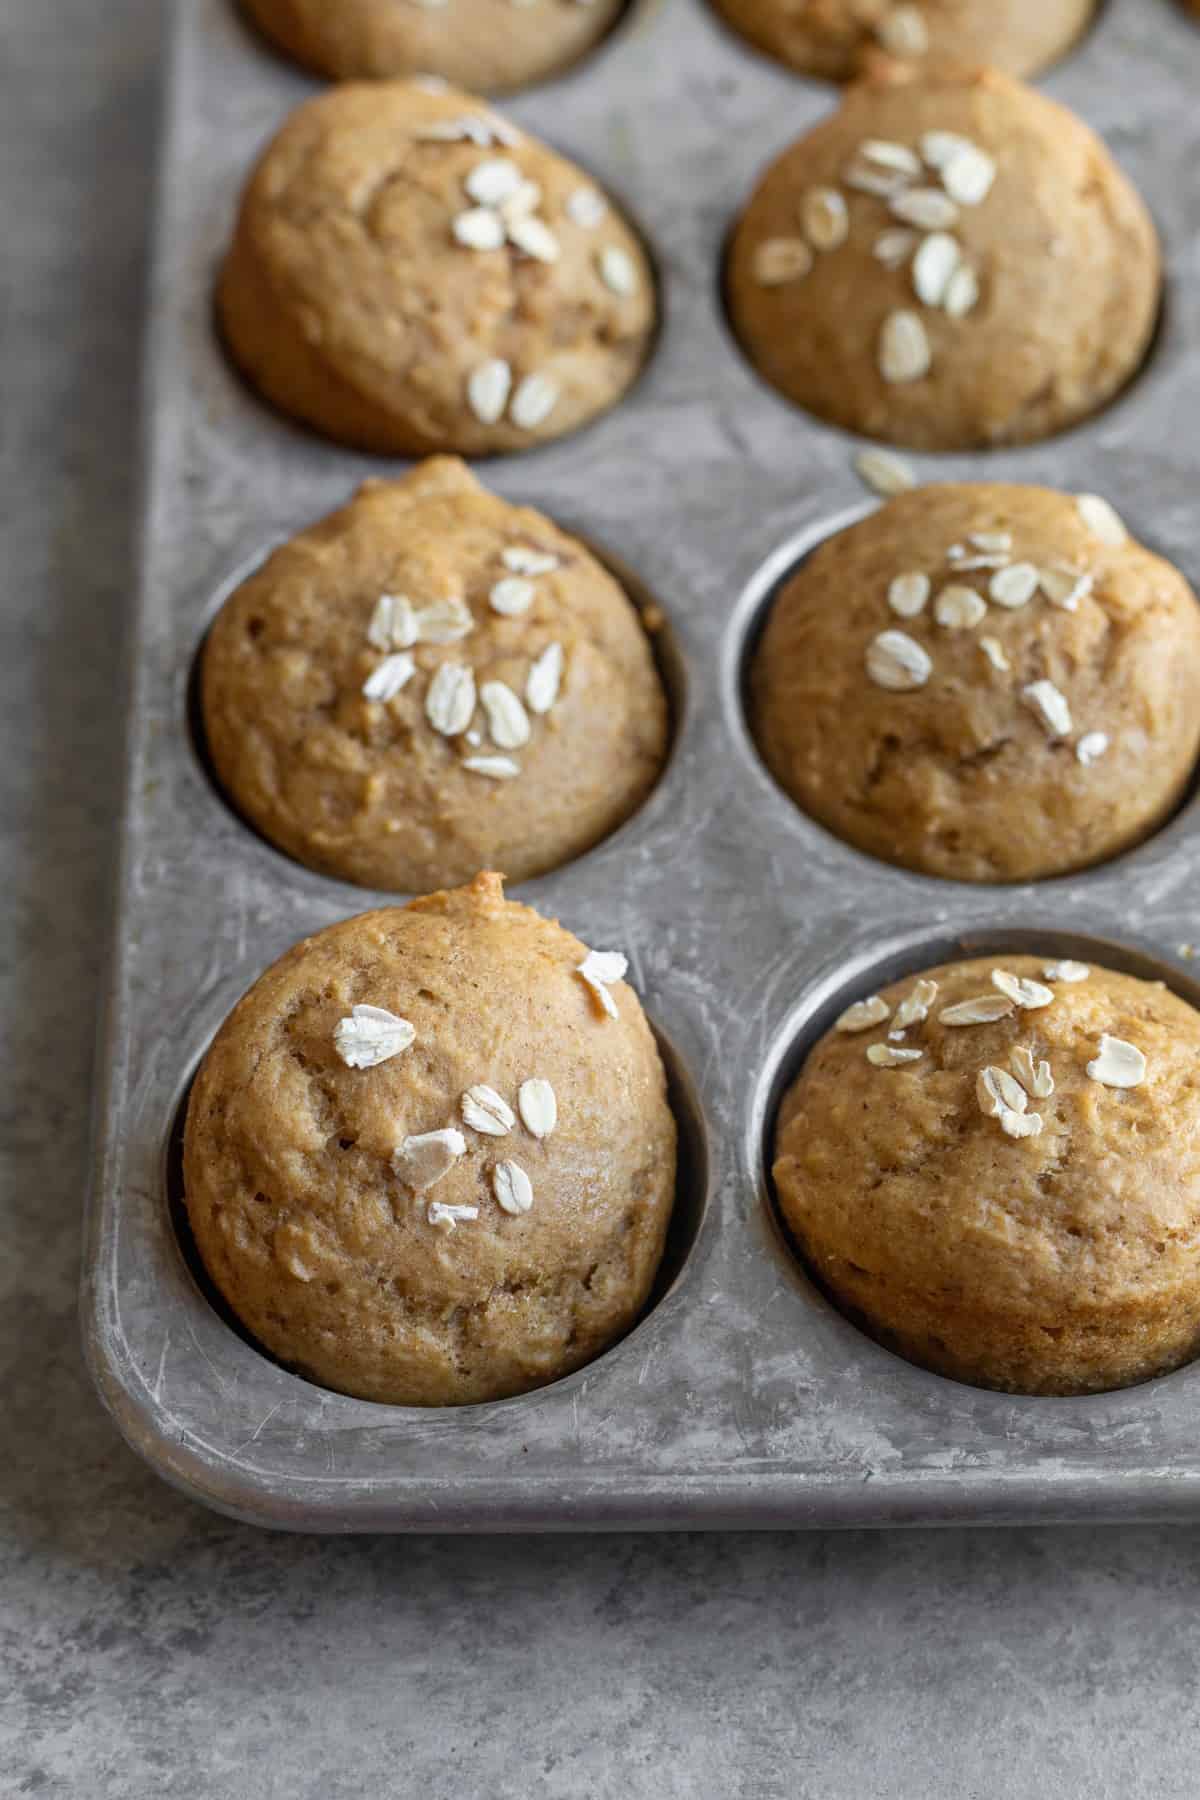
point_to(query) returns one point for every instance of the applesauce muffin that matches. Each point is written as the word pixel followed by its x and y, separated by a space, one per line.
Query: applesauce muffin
pixel 486 45
pixel 982 681
pixel 950 262
pixel 428 682
pixel 836 38
pixel 995 1167
pixel 429 1157
pixel 411 273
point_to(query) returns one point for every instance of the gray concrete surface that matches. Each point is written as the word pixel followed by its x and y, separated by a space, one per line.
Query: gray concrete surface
pixel 149 1649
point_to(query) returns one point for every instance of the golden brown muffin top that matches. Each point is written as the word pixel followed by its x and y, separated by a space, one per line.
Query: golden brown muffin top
pixel 411 273
pixel 512 1245
pixel 485 45
pixel 982 681
pixel 947 262
pixel 838 38
pixel 998 1164
pixel 429 681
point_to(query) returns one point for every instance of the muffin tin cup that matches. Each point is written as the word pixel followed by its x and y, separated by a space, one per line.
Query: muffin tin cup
pixel 742 1397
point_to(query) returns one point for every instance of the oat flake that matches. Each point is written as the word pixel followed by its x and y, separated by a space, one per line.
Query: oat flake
pixel 512 1188
pixel 863 1015
pixel 537 1104
pixel 444 621
pixel 882 183
pixel 1101 519
pixel 484 1110
pixel 496 768
pixel 618 271
pixel 926 208
pixel 893 248
pixel 544 679
pixel 962 292
pixel 959 609
pixel 904 353
pixel 371 1035
pixel 1066 971
pixel 512 596
pixel 1035 1077
pixel 909 594
pixel 1014 586
pixel 388 677
pixel 599 969
pixel 421 1160
pixel 533 237
pixel 479 229
pixel 981 1009
pixel 914 1008
pixel 1030 996
pixel 897 662
pixel 1051 707
pixel 885 473
pixel 535 399
pixel 887 1056
pixel 1064 586
pixel 780 260
pixel 450 700
pixel 393 624
pixel 448 1218
pixel 933 267
pixel 586 206
pixel 993 649
pixel 1091 747
pixel 1119 1063
pixel 968 175
pixel 488 389
pixel 999 1092
pixel 824 217
pixel 1021 1125
pixel 508 722
pixel 494 180
pixel 523 560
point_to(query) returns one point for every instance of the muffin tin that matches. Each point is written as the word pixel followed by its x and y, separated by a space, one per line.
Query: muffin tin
pixel 742 1398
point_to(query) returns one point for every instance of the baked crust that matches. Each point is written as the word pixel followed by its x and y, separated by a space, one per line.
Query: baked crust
pixel 325 1253
pixel 368 790
pixel 489 46
pixel 347 301
pixel 838 38
pixel 1062 1263
pixel 964 777
pixel 1059 253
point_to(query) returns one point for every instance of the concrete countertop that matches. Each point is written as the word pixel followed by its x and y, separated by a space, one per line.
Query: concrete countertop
pixel 148 1648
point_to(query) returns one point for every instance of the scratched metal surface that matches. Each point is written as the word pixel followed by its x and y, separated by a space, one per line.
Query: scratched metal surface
pixel 743 1398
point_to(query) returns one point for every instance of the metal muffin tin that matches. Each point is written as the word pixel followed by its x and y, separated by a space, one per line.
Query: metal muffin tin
pixel 743 1398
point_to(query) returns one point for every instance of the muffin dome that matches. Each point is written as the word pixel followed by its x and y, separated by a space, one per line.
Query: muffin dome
pixel 996 1168
pixel 836 38
pixel 411 273
pixel 429 1157
pixel 982 681
pixel 428 682
pixel 489 45
pixel 949 262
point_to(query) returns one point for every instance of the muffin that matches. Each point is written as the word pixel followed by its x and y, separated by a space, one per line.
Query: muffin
pixel 428 682
pixel 485 44
pixel 429 1157
pixel 950 261
pixel 410 273
pixel 835 38
pixel 982 681
pixel 996 1169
